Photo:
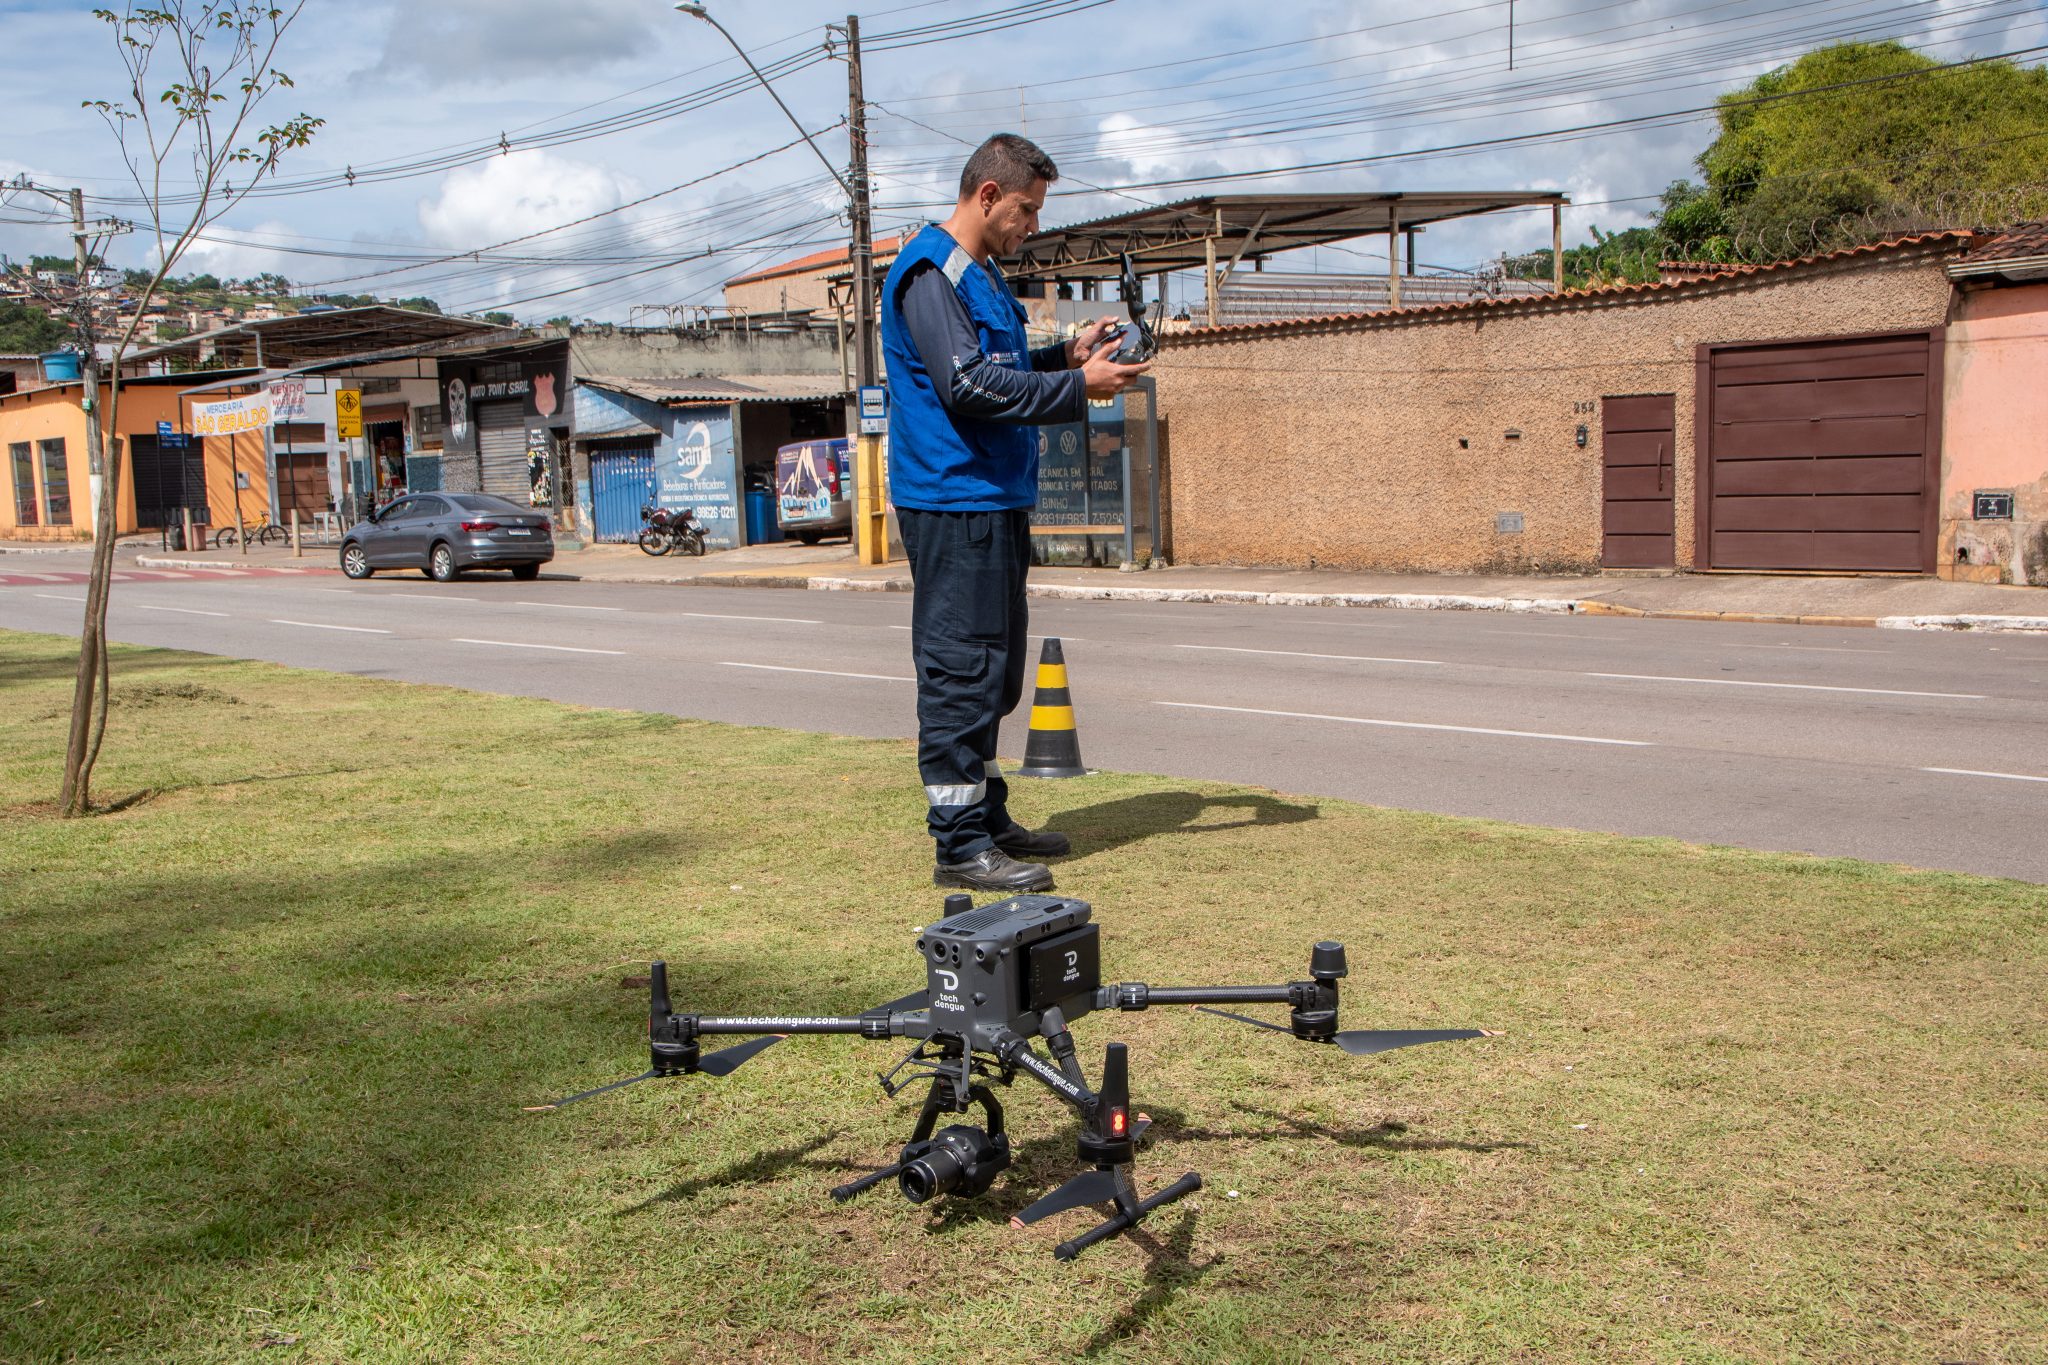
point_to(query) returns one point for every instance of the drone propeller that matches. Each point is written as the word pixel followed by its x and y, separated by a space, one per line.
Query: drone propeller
pixel 615 1085
pixel 1362 1042
pixel 728 1060
pixel 721 1063
pixel 916 1000
pixel 1089 1187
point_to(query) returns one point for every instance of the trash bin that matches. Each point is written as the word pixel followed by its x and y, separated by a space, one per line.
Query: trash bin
pixel 762 528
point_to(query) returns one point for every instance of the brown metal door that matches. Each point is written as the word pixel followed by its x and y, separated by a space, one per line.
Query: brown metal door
pixel 1638 469
pixel 1821 455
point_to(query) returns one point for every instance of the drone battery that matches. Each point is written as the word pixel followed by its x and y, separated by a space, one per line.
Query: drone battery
pixel 1061 968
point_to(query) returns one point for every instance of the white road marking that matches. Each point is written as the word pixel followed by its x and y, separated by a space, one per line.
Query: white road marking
pixel 568 606
pixel 1972 772
pixel 826 672
pixel 1411 725
pixel 1812 649
pixel 1796 687
pixel 58 597
pixel 184 611
pixel 433 597
pixel 1301 654
pixel 718 616
pixel 315 625
pixel 520 644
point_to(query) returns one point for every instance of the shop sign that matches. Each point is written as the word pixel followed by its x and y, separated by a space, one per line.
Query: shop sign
pixel 232 415
pixel 695 469
pixel 288 399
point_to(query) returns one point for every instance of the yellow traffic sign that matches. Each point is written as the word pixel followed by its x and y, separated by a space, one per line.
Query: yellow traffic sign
pixel 348 412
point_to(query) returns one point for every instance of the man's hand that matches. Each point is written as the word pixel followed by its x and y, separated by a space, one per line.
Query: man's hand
pixel 1104 377
pixel 1084 345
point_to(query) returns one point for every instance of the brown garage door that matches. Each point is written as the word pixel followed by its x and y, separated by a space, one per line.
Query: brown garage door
pixel 1821 455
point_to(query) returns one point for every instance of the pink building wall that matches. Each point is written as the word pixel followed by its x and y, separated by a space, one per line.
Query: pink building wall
pixel 1995 435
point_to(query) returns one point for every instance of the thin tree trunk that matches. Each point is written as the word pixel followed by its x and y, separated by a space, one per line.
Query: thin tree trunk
pixel 82 749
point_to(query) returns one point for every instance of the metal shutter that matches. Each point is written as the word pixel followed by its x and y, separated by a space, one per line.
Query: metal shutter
pixel 501 439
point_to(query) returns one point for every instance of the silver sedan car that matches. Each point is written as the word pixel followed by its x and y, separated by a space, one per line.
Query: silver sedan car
pixel 444 534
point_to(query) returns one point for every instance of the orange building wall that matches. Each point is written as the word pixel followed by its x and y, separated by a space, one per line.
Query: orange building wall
pixel 1995 435
pixel 40 414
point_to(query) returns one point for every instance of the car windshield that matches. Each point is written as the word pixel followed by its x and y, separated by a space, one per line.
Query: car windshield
pixel 484 502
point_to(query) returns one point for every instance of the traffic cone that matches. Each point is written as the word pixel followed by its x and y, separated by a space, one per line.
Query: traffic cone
pixel 1053 748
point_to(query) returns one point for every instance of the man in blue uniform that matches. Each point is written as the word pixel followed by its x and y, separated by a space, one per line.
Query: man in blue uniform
pixel 966 394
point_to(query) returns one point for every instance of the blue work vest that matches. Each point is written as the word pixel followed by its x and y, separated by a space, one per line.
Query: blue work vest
pixel 939 462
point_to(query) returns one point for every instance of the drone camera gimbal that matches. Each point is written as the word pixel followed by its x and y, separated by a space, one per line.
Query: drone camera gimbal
pixel 997 980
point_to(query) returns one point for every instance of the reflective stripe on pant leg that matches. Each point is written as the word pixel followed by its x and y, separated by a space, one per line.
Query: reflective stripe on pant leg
pixel 955 796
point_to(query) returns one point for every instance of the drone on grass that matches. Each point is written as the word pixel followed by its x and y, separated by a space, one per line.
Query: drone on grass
pixel 996 979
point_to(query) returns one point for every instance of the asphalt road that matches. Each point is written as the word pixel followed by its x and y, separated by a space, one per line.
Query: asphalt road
pixel 1930 750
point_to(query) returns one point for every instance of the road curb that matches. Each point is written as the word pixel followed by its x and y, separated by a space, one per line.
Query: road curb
pixel 2031 624
pixel 1756 618
pixel 208 566
pixel 1409 601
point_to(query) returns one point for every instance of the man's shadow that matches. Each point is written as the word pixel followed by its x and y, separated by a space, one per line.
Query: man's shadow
pixel 1112 824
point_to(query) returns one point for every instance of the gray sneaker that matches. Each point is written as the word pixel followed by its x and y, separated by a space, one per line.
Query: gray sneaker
pixel 994 870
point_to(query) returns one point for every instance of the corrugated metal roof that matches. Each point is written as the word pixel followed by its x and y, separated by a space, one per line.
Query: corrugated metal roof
pixel 1605 293
pixel 2019 254
pixel 732 388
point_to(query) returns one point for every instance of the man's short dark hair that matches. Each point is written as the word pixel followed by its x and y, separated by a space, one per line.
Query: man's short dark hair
pixel 1012 162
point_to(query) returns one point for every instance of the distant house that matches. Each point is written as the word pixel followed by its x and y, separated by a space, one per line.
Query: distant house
pixel 803 283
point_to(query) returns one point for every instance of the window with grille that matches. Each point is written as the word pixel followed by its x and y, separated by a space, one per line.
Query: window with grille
pixel 24 483
pixel 56 484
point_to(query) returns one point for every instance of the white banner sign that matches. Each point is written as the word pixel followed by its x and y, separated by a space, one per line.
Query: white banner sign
pixel 288 400
pixel 231 415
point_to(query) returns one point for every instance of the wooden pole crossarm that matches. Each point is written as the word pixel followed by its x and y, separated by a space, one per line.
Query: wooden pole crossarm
pixel 1242 247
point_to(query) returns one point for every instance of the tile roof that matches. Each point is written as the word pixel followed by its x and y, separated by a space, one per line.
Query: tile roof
pixel 2028 239
pixel 817 260
pixel 1603 293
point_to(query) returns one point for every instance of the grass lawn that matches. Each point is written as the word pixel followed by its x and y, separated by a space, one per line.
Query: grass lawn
pixel 266 1032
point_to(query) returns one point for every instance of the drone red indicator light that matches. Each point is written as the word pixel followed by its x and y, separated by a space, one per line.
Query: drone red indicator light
pixel 1119 1123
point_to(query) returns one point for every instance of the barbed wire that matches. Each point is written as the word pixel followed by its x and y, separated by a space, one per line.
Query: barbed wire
pixel 1632 258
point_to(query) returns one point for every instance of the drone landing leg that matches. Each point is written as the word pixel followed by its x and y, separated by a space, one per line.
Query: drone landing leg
pixel 1127 1216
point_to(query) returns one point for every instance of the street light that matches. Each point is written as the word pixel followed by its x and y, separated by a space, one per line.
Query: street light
pixel 698 11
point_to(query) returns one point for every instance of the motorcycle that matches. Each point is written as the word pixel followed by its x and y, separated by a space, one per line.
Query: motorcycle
pixel 668 530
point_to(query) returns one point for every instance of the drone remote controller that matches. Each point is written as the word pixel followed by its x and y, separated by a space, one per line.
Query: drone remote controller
pixel 998 980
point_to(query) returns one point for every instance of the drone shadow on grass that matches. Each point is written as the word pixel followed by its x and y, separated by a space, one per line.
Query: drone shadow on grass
pixel 1388 1135
pixel 1170 1267
pixel 753 1170
pixel 1112 824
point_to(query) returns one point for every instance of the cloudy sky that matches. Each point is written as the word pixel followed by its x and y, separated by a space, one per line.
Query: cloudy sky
pixel 480 132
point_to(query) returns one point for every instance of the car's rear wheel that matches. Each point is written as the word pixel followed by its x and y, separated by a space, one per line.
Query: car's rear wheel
pixel 526 572
pixel 810 537
pixel 441 564
pixel 354 562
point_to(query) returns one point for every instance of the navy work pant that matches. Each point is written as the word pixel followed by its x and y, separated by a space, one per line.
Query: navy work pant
pixel 967 622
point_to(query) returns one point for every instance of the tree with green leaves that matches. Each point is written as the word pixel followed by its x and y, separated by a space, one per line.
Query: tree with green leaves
pixel 192 74
pixel 27 330
pixel 1858 141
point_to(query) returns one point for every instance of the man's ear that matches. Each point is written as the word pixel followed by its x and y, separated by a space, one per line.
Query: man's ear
pixel 988 195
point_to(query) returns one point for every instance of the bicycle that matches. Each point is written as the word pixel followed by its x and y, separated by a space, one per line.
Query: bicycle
pixel 258 533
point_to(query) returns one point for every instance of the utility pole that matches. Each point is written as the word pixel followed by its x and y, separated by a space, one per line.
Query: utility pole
pixel 863 227
pixel 870 519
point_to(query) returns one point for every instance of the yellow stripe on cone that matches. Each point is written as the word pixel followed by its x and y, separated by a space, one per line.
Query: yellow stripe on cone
pixel 1053 748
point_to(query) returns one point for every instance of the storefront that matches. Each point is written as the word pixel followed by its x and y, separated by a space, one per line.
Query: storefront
pixel 506 423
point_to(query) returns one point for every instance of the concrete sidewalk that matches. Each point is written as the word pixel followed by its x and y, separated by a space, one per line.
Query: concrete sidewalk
pixel 1786 599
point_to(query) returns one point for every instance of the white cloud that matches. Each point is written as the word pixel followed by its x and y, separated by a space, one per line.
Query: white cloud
pixel 509 196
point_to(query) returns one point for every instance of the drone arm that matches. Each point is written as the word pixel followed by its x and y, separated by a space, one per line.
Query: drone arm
pixel 1136 995
pixel 710 1024
pixel 1016 1051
